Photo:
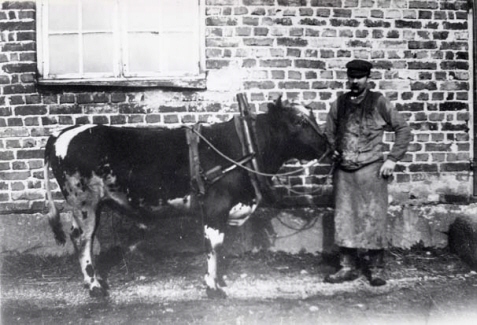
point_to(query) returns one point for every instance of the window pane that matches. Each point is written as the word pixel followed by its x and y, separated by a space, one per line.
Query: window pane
pixel 182 54
pixel 63 15
pixel 179 14
pixel 143 15
pixel 98 15
pixel 64 54
pixel 151 37
pixel 144 50
pixel 98 53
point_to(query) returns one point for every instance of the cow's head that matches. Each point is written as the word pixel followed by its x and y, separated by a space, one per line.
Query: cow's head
pixel 297 129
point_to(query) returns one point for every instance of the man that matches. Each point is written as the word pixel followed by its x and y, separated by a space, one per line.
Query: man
pixel 354 127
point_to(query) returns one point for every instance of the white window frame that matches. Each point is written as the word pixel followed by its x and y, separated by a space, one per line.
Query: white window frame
pixel 120 76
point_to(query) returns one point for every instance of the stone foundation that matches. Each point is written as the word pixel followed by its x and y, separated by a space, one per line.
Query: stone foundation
pixel 290 230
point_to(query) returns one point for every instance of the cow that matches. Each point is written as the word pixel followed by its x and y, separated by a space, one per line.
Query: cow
pixel 140 171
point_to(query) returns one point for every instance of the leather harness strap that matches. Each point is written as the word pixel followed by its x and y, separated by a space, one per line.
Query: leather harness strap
pixel 197 182
pixel 200 179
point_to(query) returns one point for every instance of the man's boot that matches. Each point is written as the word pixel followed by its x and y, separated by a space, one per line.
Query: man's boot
pixel 348 271
pixel 376 273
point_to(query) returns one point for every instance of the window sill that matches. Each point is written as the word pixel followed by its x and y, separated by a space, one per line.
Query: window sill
pixel 196 82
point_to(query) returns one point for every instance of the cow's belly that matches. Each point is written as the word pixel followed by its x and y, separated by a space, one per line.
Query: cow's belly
pixel 157 208
pixel 181 203
pixel 85 191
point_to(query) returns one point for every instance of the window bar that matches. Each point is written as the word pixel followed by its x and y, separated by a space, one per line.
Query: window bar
pixel 123 35
pixel 80 38
pixel 45 52
pixel 161 27
pixel 117 52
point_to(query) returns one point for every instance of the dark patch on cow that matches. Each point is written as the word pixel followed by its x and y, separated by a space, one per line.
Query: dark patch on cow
pixel 90 271
pixel 84 213
pixel 139 170
pixel 83 185
pixel 208 247
pixel 75 233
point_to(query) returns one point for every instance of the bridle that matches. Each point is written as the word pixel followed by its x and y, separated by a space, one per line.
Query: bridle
pixel 312 122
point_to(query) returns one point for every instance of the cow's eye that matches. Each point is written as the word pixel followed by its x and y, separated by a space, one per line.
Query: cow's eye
pixel 300 122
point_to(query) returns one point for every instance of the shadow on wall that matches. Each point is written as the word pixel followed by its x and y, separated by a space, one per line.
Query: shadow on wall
pixel 289 230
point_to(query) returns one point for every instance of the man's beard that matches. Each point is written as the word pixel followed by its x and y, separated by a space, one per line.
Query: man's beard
pixel 356 89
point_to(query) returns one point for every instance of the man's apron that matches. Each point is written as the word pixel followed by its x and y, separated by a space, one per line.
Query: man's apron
pixel 361 203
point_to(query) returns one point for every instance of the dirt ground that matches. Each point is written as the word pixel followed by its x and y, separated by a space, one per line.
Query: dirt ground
pixel 426 287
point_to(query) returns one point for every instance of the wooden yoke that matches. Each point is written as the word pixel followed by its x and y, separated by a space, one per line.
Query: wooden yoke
pixel 247 144
pixel 197 183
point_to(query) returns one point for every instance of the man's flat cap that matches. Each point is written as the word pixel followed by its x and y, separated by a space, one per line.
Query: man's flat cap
pixel 358 68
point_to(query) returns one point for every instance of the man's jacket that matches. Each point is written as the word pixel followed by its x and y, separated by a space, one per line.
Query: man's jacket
pixel 355 128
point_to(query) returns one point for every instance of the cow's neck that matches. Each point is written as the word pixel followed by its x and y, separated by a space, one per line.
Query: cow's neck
pixel 271 145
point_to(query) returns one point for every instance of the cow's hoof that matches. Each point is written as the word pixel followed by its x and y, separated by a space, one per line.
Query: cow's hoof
pixel 103 284
pixel 98 292
pixel 221 282
pixel 215 293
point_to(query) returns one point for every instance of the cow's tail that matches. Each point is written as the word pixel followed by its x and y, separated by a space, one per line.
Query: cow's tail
pixel 53 214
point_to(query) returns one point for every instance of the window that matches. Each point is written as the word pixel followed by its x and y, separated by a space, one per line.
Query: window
pixel 121 42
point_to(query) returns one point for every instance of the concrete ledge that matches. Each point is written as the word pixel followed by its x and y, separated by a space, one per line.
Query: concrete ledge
pixel 290 230
pixel 31 233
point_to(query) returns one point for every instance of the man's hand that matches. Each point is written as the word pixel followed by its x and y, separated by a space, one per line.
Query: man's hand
pixel 336 156
pixel 387 168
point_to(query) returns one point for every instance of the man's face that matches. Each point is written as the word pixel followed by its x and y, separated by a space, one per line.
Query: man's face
pixel 357 85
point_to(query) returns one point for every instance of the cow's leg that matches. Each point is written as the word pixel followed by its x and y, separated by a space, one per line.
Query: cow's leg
pixel 214 238
pixel 216 206
pixel 76 232
pixel 83 238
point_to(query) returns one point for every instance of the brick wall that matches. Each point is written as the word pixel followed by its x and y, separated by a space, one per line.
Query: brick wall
pixel 266 48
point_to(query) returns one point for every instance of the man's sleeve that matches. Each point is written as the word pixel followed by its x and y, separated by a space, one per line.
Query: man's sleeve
pixel 400 127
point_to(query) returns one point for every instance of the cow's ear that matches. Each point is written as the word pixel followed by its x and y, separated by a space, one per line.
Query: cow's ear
pixel 310 108
pixel 276 107
pixel 279 103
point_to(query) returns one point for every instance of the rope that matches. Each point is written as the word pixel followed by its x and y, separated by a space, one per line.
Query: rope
pixel 289 188
pixel 308 225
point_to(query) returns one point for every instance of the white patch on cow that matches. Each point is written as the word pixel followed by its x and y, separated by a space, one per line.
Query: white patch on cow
pixel 214 236
pixel 133 247
pixel 117 197
pixel 302 109
pixel 182 203
pixel 156 208
pixel 210 281
pixel 240 213
pixel 63 141
pixel 56 133
pixel 141 226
